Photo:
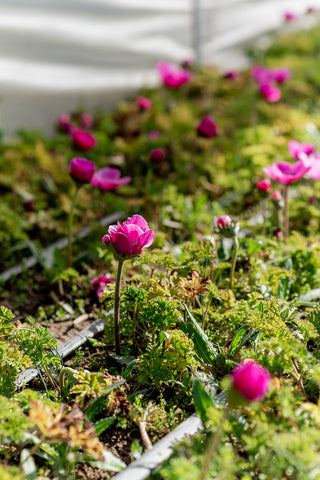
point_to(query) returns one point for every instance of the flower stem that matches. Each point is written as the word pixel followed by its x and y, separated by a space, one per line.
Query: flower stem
pixel 212 447
pixel 117 308
pixel 286 213
pixel 234 261
pixel 70 226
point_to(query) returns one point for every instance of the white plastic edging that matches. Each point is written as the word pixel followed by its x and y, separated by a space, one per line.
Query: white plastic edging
pixel 143 467
pixel 65 349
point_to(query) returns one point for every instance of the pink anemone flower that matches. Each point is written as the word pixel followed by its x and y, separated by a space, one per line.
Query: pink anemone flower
pixel 173 76
pixel 270 92
pixel 286 172
pixel 295 148
pixel 130 237
pixel 109 178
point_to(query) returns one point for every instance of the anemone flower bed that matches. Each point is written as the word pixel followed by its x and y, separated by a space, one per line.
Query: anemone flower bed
pixel 208 284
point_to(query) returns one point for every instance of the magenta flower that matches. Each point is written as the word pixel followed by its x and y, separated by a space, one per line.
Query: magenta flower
pixel 289 16
pixel 99 283
pixel 295 148
pixel 29 205
pixel 64 122
pixel 81 169
pixel 130 237
pixel 285 172
pixel 83 140
pixel 264 186
pixel 109 178
pixel 207 128
pixel 231 74
pixel 260 74
pixel 270 92
pixel 251 380
pixel 144 103
pixel 173 76
pixel 280 75
pixel 157 156
pixel 86 120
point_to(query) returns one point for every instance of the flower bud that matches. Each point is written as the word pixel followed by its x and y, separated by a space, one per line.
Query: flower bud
pixel 207 128
pixel 157 155
pixel 81 169
pixel 227 227
pixel 277 200
pixel 144 103
pixel 86 120
pixel 83 140
pixel 251 380
pixel 264 186
pixel 64 123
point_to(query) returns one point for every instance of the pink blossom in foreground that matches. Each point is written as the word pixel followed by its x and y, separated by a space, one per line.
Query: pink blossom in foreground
pixel 157 156
pixel 144 103
pixel 99 283
pixel 295 148
pixel 173 76
pixel 109 178
pixel 251 380
pixel 83 140
pixel 264 186
pixel 130 237
pixel 81 169
pixel 270 92
pixel 207 128
pixel 86 120
pixel 285 172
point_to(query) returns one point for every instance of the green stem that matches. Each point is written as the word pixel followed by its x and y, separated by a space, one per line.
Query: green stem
pixel 50 377
pixel 265 209
pixel 286 213
pixel 234 261
pixel 117 308
pixel 212 447
pixel 70 226
pixel 69 371
pixel 34 449
pixel 134 345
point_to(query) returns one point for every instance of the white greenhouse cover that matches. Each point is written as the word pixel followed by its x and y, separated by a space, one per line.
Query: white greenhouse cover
pixel 60 55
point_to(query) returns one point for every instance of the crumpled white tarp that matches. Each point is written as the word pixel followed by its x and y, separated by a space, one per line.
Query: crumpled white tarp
pixel 61 55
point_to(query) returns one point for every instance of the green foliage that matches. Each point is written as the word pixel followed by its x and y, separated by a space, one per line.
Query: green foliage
pixel 14 425
pixel 40 345
pixel 11 360
pixel 262 315
pixel 160 313
pixel 167 359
